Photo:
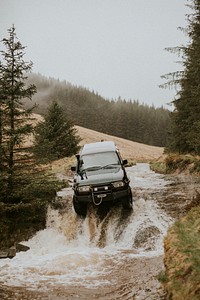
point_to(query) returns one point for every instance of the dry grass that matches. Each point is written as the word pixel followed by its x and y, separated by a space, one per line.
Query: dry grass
pixel 182 258
pixel 134 152
pixel 129 149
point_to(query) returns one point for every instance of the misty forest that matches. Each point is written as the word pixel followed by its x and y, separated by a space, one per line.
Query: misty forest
pixel 127 119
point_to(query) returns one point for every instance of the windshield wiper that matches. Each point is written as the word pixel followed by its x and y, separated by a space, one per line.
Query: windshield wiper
pixel 110 166
pixel 81 174
pixel 83 171
pixel 94 168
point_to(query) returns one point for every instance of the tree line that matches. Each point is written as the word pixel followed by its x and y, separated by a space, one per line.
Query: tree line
pixel 184 133
pixel 127 119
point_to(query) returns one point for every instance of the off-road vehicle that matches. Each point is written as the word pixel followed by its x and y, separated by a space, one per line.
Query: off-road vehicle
pixel 100 176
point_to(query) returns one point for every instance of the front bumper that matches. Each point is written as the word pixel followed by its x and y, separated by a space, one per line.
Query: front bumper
pixel 104 196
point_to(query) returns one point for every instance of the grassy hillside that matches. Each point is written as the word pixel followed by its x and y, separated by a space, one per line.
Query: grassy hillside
pixel 123 118
pixel 133 151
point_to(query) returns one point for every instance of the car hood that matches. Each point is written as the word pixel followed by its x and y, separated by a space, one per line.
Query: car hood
pixel 92 178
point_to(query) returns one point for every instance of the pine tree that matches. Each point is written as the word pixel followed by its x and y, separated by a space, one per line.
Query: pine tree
pixel 56 137
pixel 15 122
pixel 21 179
pixel 185 130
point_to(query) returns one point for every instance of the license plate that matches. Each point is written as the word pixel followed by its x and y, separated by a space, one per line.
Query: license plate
pixel 101 196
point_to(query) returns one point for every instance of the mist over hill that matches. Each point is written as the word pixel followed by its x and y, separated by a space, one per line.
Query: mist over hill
pixel 126 119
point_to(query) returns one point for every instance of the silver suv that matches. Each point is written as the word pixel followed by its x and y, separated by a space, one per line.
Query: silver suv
pixel 100 176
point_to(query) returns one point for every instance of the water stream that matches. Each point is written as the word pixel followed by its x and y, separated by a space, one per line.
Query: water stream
pixel 95 254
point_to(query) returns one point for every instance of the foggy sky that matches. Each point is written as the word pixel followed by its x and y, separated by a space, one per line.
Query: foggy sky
pixel 114 47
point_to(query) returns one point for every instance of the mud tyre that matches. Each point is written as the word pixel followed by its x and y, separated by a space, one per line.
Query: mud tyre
pixel 79 207
pixel 127 202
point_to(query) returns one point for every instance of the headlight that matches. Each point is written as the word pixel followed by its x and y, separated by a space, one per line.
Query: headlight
pixel 118 184
pixel 84 189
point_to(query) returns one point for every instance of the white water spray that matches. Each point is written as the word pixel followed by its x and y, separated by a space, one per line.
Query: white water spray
pixel 79 251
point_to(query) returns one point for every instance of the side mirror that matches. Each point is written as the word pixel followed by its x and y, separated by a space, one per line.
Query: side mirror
pixel 125 162
pixel 73 168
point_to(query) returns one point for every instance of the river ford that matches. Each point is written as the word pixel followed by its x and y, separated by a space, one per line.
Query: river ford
pixel 111 254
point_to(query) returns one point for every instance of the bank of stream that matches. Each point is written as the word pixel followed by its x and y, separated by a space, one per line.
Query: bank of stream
pixel 111 254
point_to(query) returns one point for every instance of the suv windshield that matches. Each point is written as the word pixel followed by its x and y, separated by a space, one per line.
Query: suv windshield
pixel 96 161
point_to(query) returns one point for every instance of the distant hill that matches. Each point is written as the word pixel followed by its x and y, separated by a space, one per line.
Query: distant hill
pixel 126 119
pixel 130 150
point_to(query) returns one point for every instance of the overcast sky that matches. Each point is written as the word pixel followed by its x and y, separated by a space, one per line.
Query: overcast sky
pixel 114 47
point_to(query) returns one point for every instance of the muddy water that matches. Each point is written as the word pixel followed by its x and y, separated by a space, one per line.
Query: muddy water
pixel 111 254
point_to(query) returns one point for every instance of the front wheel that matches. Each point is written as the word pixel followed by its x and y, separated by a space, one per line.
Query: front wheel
pixel 127 202
pixel 80 207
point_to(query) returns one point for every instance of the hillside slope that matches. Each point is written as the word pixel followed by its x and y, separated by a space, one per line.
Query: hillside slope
pixel 129 149
pixel 126 119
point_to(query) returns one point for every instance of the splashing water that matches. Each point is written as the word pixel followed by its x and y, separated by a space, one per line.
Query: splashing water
pixel 76 251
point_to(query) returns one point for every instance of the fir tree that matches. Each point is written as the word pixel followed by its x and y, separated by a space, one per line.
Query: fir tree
pixel 14 120
pixel 185 130
pixel 56 137
pixel 21 179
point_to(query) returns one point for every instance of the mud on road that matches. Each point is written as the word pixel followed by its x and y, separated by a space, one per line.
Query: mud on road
pixel 106 256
